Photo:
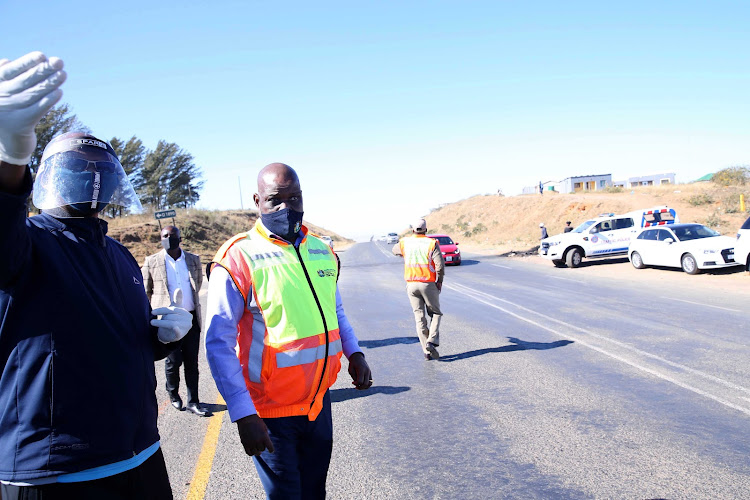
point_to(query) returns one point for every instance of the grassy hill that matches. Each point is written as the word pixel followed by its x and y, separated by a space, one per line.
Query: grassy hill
pixel 203 231
pixel 512 223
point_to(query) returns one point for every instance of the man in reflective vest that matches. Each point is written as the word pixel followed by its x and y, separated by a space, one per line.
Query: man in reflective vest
pixel 423 271
pixel 276 330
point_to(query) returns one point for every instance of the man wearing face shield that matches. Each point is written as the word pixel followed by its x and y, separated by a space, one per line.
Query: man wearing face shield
pixel 78 338
pixel 163 273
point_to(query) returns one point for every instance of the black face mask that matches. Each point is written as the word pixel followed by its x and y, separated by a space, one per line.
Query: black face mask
pixel 285 223
pixel 171 243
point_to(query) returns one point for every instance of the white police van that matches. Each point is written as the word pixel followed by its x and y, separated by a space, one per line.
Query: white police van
pixel 605 236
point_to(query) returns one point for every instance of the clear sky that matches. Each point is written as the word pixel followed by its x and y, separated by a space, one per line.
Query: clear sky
pixel 389 109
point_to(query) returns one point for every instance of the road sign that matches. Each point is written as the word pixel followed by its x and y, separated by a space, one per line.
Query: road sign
pixel 164 214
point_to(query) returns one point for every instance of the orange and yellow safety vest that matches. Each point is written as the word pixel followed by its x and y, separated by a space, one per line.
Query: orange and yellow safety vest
pixel 417 251
pixel 288 336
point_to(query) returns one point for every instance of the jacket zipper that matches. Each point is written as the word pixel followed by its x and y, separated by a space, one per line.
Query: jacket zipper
pixel 325 326
pixel 118 289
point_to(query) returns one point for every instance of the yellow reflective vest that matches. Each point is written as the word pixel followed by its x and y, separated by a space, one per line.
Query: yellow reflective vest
pixel 417 251
pixel 288 337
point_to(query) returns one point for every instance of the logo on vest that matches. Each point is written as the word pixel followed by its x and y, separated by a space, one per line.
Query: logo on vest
pixel 326 272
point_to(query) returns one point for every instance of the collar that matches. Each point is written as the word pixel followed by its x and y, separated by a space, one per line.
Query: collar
pixel 92 229
pixel 278 240
pixel 178 259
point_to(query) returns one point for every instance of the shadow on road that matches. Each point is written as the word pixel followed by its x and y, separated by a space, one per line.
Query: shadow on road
pixel 520 345
pixel 372 344
pixel 338 395
pixel 213 408
pixel 603 262
pixel 716 272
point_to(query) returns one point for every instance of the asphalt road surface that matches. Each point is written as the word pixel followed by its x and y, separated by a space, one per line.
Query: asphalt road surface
pixel 552 383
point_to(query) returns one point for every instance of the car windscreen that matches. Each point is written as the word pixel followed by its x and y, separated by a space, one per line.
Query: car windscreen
pixel 583 227
pixel 746 225
pixel 444 240
pixel 693 232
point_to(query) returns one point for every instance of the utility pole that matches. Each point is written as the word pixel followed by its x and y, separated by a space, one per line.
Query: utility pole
pixel 240 186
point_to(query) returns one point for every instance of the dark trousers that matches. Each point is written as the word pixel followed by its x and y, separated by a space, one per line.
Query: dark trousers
pixel 186 353
pixel 299 465
pixel 148 481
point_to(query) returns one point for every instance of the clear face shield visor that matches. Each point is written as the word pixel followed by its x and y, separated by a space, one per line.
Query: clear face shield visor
pixel 73 177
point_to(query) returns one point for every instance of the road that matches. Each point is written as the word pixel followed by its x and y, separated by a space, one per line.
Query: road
pixel 552 383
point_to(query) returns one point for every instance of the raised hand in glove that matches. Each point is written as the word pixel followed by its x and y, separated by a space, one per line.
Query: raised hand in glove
pixel 28 89
pixel 175 321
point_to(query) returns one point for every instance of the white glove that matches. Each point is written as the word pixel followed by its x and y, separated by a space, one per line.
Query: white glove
pixel 175 321
pixel 28 89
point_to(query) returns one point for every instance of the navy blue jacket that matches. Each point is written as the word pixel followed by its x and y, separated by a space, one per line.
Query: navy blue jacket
pixel 77 349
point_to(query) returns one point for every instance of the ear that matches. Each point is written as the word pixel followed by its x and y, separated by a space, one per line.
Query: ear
pixel 256 199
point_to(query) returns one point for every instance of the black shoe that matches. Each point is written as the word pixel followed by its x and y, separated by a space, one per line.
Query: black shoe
pixel 197 410
pixel 431 347
pixel 427 357
pixel 176 402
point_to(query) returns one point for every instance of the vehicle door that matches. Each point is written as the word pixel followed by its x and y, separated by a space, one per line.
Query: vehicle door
pixel 598 242
pixel 647 246
pixel 622 234
pixel 668 249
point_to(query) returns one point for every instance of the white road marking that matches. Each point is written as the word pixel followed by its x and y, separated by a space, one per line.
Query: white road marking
pixel 504 267
pixel 385 252
pixel 699 304
pixel 485 298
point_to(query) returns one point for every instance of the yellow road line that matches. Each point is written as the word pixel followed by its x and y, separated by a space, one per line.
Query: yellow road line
pixel 199 482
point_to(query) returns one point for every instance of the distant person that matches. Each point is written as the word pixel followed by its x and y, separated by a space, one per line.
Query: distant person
pixel 424 269
pixel 276 330
pixel 78 339
pixel 544 230
pixel 163 273
pixel 541 188
pixel 568 228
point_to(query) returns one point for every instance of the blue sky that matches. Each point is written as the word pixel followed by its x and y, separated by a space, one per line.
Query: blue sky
pixel 389 109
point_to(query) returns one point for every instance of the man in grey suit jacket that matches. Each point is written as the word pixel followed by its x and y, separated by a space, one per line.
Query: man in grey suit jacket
pixel 163 273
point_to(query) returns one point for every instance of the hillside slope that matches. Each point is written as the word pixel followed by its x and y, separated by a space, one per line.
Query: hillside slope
pixel 203 231
pixel 511 223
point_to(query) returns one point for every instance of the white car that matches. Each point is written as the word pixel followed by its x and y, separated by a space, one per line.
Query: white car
pixel 392 238
pixel 690 246
pixel 742 245
pixel 605 236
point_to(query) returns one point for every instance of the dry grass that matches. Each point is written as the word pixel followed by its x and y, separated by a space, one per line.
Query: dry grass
pixel 512 223
pixel 203 231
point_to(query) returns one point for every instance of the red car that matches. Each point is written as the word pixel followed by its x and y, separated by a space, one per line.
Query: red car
pixel 449 249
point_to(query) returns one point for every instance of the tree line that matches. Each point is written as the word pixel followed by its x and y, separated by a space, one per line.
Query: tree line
pixel 166 176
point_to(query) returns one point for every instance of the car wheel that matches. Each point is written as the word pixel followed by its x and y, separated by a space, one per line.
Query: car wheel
pixel 689 265
pixel 458 262
pixel 636 260
pixel 574 257
pixel 558 263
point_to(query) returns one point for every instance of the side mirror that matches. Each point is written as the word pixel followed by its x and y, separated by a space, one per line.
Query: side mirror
pixel 669 241
pixel 455 243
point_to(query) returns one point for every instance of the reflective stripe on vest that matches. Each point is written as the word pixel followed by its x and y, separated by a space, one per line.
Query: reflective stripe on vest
pixel 417 251
pixel 282 335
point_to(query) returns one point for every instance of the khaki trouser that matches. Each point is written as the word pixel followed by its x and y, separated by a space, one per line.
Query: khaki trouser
pixel 423 294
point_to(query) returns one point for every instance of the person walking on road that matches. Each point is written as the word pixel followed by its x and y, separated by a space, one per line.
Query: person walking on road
pixel 163 273
pixel 273 290
pixel 424 268
pixel 544 230
pixel 78 339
